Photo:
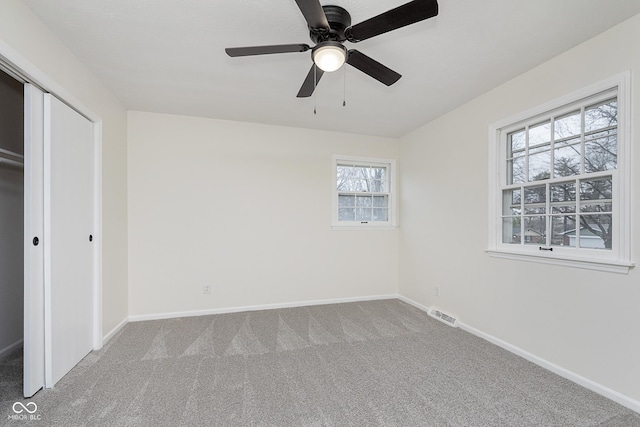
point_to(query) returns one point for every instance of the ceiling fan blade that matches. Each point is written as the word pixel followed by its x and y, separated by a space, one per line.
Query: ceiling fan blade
pixel 308 86
pixel 407 14
pixel 266 50
pixel 313 13
pixel 372 67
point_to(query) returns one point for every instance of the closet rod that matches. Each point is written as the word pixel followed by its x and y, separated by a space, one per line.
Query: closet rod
pixel 11 153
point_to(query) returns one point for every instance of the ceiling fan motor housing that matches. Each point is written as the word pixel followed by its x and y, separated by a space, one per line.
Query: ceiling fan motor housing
pixel 339 20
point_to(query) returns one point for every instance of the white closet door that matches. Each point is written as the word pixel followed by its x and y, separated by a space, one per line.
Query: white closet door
pixel 33 372
pixel 69 198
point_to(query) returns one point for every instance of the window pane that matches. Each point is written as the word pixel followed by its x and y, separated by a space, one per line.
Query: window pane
pixel 346 171
pixel 361 179
pixel 563 209
pixel 601 116
pixel 344 178
pixel 566 158
pixel 381 201
pixel 595 195
pixel 346 214
pixel 601 151
pixel 563 192
pixel 377 186
pixel 379 173
pixel 595 207
pixel 511 202
pixel 540 163
pixel 515 170
pixel 346 201
pixel 362 172
pixel 596 189
pixel 362 185
pixel 563 230
pixel 535 194
pixel 380 214
pixel 363 214
pixel 567 126
pixel 347 185
pixel 539 153
pixel 539 134
pixel 595 231
pixel 355 179
pixel 533 210
pixel 363 201
pixel 534 230
pixel 344 185
pixel 511 230
pixel 515 142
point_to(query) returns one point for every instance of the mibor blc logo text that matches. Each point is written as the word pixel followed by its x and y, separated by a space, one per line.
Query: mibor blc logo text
pixel 24 412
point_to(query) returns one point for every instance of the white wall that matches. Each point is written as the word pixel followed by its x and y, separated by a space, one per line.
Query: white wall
pixel 245 208
pixel 555 313
pixel 22 32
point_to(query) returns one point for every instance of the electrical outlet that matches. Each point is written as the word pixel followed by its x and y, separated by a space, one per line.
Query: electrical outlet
pixel 436 291
pixel 206 289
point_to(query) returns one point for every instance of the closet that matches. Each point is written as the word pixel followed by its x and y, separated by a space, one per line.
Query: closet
pixel 49 229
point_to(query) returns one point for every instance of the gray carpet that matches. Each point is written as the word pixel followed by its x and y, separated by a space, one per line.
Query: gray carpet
pixel 356 364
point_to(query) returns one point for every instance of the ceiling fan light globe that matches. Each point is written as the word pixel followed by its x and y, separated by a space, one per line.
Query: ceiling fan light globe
pixel 329 58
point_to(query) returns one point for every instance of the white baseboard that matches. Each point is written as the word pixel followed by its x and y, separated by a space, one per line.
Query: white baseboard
pixel 115 330
pixel 620 398
pixel 10 348
pixel 175 314
pixel 617 397
pixel 413 303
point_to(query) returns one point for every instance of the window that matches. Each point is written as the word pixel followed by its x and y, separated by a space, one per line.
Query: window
pixel 364 192
pixel 560 181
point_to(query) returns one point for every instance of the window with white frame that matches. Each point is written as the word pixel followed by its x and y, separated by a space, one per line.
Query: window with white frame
pixel 363 192
pixel 561 181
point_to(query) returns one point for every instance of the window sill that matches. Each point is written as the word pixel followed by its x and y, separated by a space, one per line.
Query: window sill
pixel 363 227
pixel 610 266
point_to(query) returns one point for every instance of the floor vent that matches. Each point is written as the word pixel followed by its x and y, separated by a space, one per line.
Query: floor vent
pixel 443 317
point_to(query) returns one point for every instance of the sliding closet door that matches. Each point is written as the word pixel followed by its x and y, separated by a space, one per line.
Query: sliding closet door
pixel 69 199
pixel 33 378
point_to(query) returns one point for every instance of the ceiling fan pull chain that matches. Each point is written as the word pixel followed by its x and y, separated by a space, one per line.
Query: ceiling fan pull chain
pixel 315 82
pixel 344 93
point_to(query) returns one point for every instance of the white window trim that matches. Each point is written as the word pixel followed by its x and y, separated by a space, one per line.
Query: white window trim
pixel 619 260
pixel 392 224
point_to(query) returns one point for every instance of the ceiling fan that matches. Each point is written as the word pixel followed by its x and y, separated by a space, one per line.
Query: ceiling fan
pixel 330 26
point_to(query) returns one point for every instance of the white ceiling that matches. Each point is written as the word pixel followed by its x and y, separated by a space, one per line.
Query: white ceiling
pixel 168 56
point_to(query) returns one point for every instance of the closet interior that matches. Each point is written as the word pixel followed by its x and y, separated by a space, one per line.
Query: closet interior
pixel 11 214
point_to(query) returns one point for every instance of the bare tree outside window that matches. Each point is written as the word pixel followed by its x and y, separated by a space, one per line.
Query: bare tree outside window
pixel 576 212
pixel 362 192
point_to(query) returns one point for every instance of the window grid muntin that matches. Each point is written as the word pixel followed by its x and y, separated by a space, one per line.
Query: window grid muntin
pixel 383 215
pixel 577 204
pixel 592 102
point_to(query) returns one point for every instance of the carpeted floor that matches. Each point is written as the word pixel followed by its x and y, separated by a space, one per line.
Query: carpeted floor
pixel 354 364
